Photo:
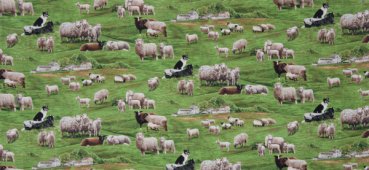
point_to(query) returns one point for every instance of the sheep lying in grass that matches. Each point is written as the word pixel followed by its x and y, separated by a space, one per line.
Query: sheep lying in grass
pixel 118 140
pixel 191 133
pixel 256 89
pixel 11 39
pixel 363 93
pixel 153 126
pixel 83 7
pixel 146 144
pixel 223 145
pixel 288 147
pixel 223 50
pixel 24 102
pixel 101 96
pixel 333 82
pixel 240 140
pixel 83 101
pixel 292 127
pixel 167 145
pixel 305 94
pixel 152 33
pixel 297 164
pixel 117 45
pixel 52 89
pixel 292 76
pixel 121 106
pixel 356 78
pixel 214 130
pixel 284 93
pixel 10 83
pixel 12 135
pixel 191 38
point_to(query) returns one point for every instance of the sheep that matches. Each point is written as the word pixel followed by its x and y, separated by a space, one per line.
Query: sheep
pixel 226 125
pixel 7 101
pixel 148 9
pixel 117 45
pixel 24 102
pixel 74 86
pixel 93 33
pixel 145 49
pixel 10 83
pixel 119 139
pixel 268 121
pixel 83 7
pixel 239 122
pixel 347 72
pixel 292 127
pixel 101 96
pixel 272 147
pixel 330 36
pixel 292 76
pixel 191 133
pixel 351 117
pixel 292 33
pixel 121 106
pixel 11 39
pixel 206 28
pixel 239 46
pixel 87 82
pixel 146 144
pixel 273 46
pixel 288 147
pixel 232 76
pixel 167 145
pixel 281 3
pixel 149 104
pixel 131 9
pixel 211 165
pixel 239 29
pixel 153 126
pixel 166 50
pixel 134 103
pixel 50 139
pixel 240 140
pixel 298 164
pixel 6 59
pixel 94 127
pixel 25 7
pixel 135 96
pixel 321 35
pixel 120 11
pixel 225 31
pixel 100 3
pixel 41 43
pixel 305 94
pixel 206 123
pixel 223 145
pixel 261 149
pixel 352 22
pixel 274 140
pixel 356 78
pixel 159 120
pixel 8 156
pixel 181 86
pixel 83 101
pixel 330 131
pixel 152 33
pixel 322 129
pixel 153 83
pixel 363 93
pixel 42 138
pixel 232 26
pixel 12 135
pixel 8 6
pixel 230 90
pixel 272 53
pixel 70 125
pixel 284 93
pixel 259 55
pixel 92 46
pixel 189 87
pixel 157 25
pixel 70 30
pixel 333 82
pixel 214 130
pixel 257 123
pixel 191 38
pixel 213 35
pixel 100 79
pixel 93 77
pixel 296 69
pixel 93 141
pixel 51 89
pixel 288 53
pixel 366 74
pixel 223 50
pixel 307 2
pixel 65 80
pixel 232 120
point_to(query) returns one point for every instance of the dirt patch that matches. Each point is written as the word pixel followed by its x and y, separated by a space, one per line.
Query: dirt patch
pixel 47 75
pixel 189 24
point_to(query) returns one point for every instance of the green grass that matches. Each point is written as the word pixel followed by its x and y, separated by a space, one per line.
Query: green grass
pixel 27 57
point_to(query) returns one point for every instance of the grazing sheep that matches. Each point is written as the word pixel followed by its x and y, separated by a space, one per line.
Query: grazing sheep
pixel 330 36
pixel 232 120
pixel 12 135
pixel 363 93
pixel 298 164
pixel 288 147
pixel 152 33
pixel 6 59
pixel 307 3
pixel 25 7
pixel 7 101
pixel 146 144
pixel 272 147
pixel 8 6
pixel 269 139
pixel 153 83
pixel 223 145
pixel 93 141
pixel 83 101
pixel 305 94
pixel 135 96
pixel 330 131
pixel 281 3
pixel 261 149
pixel 65 80
pixel 292 127
pixel 223 50
pixel 83 7
pixel 214 130
pixel 100 3
pixel 117 45
pixel 257 123
pixel 206 123
pixel 284 93
pixel 292 76
pixel 272 53
pixel 146 49
pixel 153 126
pixel 93 77
pixel 42 138
pixel 134 103
pixel 292 33
pixel 232 76
pixel 52 89
pixel 50 44
pixel 189 87
pixel 256 89
pixel 351 117
pixel 356 78
pixel 240 140
pixel 268 121
pixel 239 122
pixel 167 145
pixel 213 35
pixel 288 53
pixel 225 31
pixel 120 11
pixel 10 83
pixel 117 140
pixel 191 133
pixel 191 38
pixel 74 86
pixel 166 50
pixel 11 39
pixel 321 130
pixel 352 22
pixel 24 102
pixel 147 9
pixel 239 46
pixel 333 82
pixel 347 72
pixel 101 96
pixel 321 35
pixel 231 90
pixel 296 69
pixel 149 104
pixel 50 139
pixel 259 55
pixel 121 106
pixel 8 156
pixel 133 9
pixel 239 29
pixel 87 82
pixel 100 79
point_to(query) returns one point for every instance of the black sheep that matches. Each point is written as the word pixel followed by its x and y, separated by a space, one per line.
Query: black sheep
pixel 279 68
pixel 280 162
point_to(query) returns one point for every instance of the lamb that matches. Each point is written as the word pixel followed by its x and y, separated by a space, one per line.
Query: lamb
pixel 257 123
pixel 225 31
pixel 239 29
pixel 52 89
pixel 269 139
pixel 292 127
pixel 289 147
pixel 93 141
pixel 191 38
pixel 239 46
pixel 307 2
pixel 83 101
pixel 24 102
pixel 87 82
pixel 101 96
pixel 330 36
pixel 223 145
pixel 363 93
pixel 356 78
pixel 6 59
pixel 292 76
pixel 292 33
pixel 120 11
pixel 347 72
pixel 10 83
pixel 189 87
pixel 83 7
pixel 226 125
pixel 321 130
pixel 232 76
pixel 191 133
pixel 230 90
pixel 42 138
pixel 94 33
pixel 11 39
pixel 240 140
pixel 145 49
pixel 119 139
pixel 157 25
pixel 153 126
pixel 41 43
pixel 8 156
pixel 232 26
pixel 214 130
pixel 273 46
pixel 305 94
pixel 148 9
pixel 296 69
pixel 146 144
pixel 65 80
pixel 288 53
pixel 12 135
pixel 74 86
pixel 166 50
pixel 333 82
pixel 121 106
pixel 272 147
pixel 94 127
pixel 239 122
pixel 152 33
pixel 181 86
pixel 259 55
pixel 284 93
pixel 330 131
pixel 134 103
pixel 281 3
pixel 223 50
pixel 25 7
pixel 159 120
pixel 272 53
pixel 8 6
pixel 213 35
pixel 135 96
pixel 167 145
pixel 149 104
pixel 298 164
pixel 153 83
pixel 50 139
pixel 261 149
pixel 100 79
pixel 132 9
pixel 92 46
pixel 7 101
pixel 117 45
pixel 100 3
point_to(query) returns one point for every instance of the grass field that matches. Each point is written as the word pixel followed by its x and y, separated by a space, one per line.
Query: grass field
pixel 307 48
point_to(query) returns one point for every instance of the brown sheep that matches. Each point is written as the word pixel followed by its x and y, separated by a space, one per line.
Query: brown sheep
pixel 230 90
pixel 92 46
pixel 93 141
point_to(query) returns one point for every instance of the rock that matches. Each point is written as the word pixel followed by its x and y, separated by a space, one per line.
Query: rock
pixel 83 162
pixel 53 163
pixel 190 16
pixel 330 155
pixel 53 66
pixel 82 66
pixel 335 59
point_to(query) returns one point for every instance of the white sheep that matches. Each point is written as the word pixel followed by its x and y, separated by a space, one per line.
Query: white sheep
pixel 363 93
pixel 289 147
pixel 12 135
pixel 134 9
pixel 94 32
pixel 120 11
pixel 11 39
pixel 191 38
pixel 167 145
pixel 119 139
pixel 83 101
pixel 121 106
pixel 149 103
pixel 74 86
pixel 7 101
pixel 117 45
pixel 225 31
pixel 94 127
pixel 333 82
pixel 272 53
pixel 6 59
pixel 189 87
pixel 65 80
pixel 93 77
pixel 159 120
pixel 87 82
pixel 214 129
pixel 292 76
pixel 330 36
pixel 101 96
pixel 42 138
pixel 135 96
pixel 146 49
pixel 223 145
pixel 50 139
pixel 295 163
pixel 147 9
pixel 191 133
pixel 272 147
pixel 259 55
pixel 321 35
pixel 166 50
pixel 100 3
pixel 153 83
pixel 25 7
pixel 146 144
pixel 239 122
pixel 239 46
pixel 292 127
pixel 305 94
pixel 239 29
pixel 261 149
pixel 256 89
pixel 356 78
pixel 226 125
pixel 292 33
pixel 347 72
pixel 205 29
pixel 257 123
pixel 213 35
pixel 8 6
pixel 240 140
pixel 152 33
pixel 274 140
pixel 153 126
pixel 8 156
pixel 223 50
pixel 268 121
pixel 134 103
pixel 51 89
pixel 284 93
pixel 232 26
pixel 83 7
pixel 24 102
pixel 330 131
pixel 288 53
